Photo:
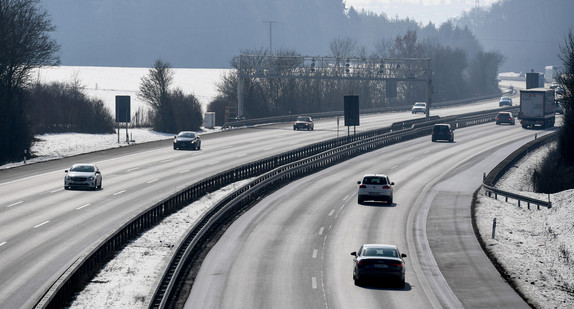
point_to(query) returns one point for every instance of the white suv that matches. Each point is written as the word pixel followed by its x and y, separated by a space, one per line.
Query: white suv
pixel 375 187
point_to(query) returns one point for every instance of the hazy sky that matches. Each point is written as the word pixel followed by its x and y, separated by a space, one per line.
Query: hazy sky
pixel 437 11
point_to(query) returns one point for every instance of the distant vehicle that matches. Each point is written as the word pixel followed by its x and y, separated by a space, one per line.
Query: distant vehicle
pixel 550 73
pixel 505 101
pixel 83 176
pixel 537 108
pixel 553 86
pixel 187 140
pixel 505 117
pixel 375 187
pixel 442 131
pixel 379 262
pixel 303 122
pixel 558 108
pixel 419 107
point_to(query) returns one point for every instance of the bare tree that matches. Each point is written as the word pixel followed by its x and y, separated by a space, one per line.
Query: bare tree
pixel 343 47
pixel 154 87
pixel 24 45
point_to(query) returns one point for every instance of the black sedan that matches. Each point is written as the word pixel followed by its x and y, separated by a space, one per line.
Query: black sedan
pixel 187 140
pixel 376 262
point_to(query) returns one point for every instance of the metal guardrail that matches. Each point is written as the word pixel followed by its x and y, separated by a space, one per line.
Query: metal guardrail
pixel 506 164
pixel 304 158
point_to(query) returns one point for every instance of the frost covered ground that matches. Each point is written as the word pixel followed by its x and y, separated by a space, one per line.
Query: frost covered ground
pixel 536 247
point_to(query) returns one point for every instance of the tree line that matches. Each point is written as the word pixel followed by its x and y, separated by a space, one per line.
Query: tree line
pixel 455 75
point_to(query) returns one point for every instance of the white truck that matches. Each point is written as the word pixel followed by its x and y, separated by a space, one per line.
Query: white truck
pixel 536 108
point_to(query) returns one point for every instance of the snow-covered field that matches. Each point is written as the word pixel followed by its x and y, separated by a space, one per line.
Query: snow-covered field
pixel 106 83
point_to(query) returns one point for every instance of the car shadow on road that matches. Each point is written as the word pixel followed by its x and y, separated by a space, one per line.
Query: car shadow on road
pixel 378 204
pixel 385 286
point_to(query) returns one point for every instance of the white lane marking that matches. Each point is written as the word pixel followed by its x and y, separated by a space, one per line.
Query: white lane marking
pixel 61 189
pixel 84 206
pixel 2 244
pixel 314 282
pixel 241 155
pixel 215 163
pixel 394 167
pixel 120 192
pixel 17 203
pixel 321 230
pixel 153 180
pixel 315 253
pixel 165 161
pixel 331 213
pixel 39 225
pixel 133 169
pixel 183 172
pixel 266 149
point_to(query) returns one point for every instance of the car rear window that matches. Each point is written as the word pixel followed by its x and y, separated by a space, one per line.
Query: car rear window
pixel 387 252
pixel 374 180
pixel 441 128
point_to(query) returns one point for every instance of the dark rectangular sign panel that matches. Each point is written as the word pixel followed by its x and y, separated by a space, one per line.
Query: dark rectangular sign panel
pixel 123 108
pixel 351 110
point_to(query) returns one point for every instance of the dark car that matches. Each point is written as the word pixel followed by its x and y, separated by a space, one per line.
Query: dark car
pixel 505 117
pixel 187 140
pixel 83 176
pixel 380 263
pixel 442 131
pixel 303 122
pixel 505 101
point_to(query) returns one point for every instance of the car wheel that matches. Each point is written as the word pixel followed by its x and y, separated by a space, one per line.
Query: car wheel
pixel 390 200
pixel 174 148
pixel 100 186
pixel 433 140
pixel 66 188
pixel 401 284
pixel 360 200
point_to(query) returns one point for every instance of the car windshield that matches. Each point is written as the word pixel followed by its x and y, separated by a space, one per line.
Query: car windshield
pixel 374 180
pixel 386 252
pixel 82 168
pixel 303 119
pixel 505 99
pixel 420 104
pixel 187 134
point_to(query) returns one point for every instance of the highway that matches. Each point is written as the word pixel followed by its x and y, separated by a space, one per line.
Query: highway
pixel 44 228
pixel 292 250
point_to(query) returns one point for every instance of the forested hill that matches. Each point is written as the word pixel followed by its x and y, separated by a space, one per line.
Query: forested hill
pixel 528 33
pixel 209 33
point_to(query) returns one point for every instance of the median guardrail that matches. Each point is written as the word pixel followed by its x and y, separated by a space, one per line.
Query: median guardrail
pixel 283 168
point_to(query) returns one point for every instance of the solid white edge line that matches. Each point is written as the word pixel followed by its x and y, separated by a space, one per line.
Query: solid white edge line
pixel 2 244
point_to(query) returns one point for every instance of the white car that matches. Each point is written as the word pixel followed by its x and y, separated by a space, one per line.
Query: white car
pixel 83 176
pixel 419 107
pixel 375 187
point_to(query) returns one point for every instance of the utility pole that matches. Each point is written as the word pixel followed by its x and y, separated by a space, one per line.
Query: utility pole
pixel 270 35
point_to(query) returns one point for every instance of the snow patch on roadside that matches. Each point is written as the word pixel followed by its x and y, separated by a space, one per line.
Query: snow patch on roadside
pixel 128 280
pixel 535 247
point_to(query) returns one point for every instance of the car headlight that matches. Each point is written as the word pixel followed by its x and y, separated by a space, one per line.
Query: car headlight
pixel 67 177
pixel 91 178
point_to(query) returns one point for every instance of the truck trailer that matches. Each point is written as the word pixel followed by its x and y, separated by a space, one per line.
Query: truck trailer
pixel 536 108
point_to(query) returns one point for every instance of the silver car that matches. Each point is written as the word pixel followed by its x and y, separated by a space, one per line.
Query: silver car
pixel 83 176
pixel 419 107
